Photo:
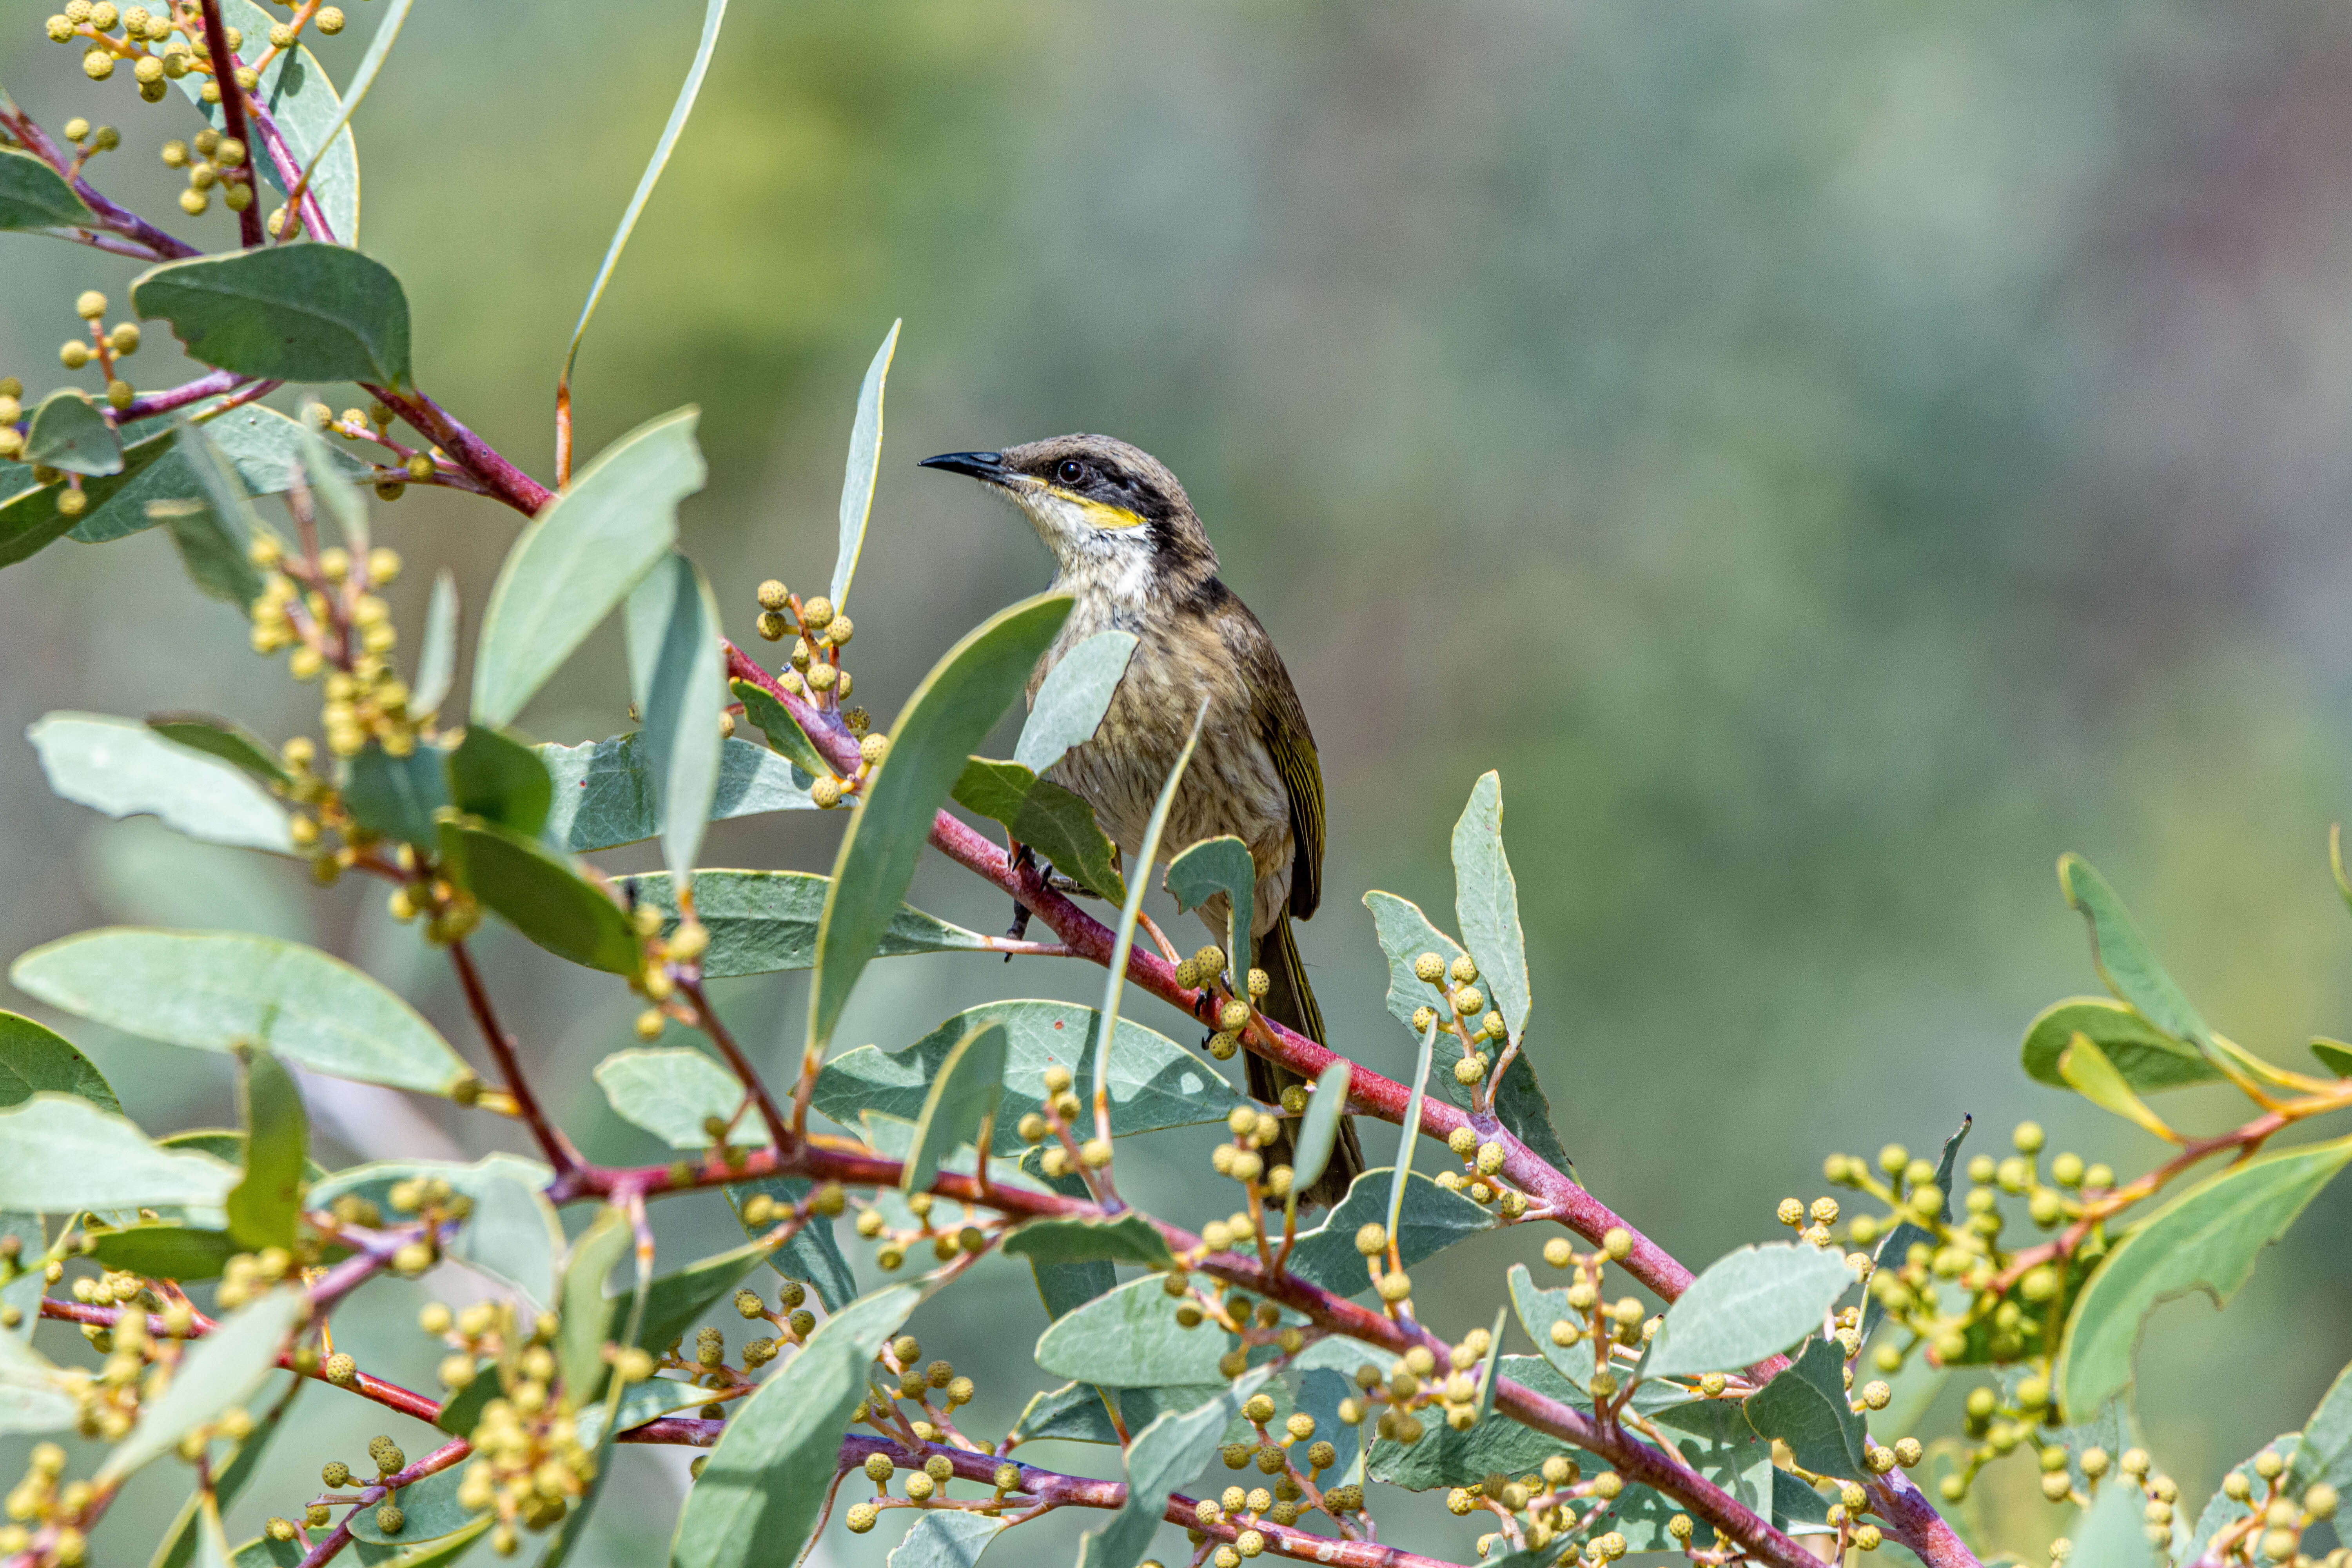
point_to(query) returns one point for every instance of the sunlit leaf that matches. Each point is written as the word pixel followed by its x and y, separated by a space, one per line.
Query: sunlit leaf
pixel 119 767
pixel 1072 699
pixel 1486 902
pixel 262 445
pixel 1754 1303
pixel 302 102
pixel 865 462
pixel 2088 1072
pixel 605 790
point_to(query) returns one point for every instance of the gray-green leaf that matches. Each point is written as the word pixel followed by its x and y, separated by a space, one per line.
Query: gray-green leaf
pixel 1805 1406
pixel 541 895
pixel 437 652
pixel 1217 866
pixel 605 790
pixel 960 1106
pixel 1164 1455
pixel 34 195
pixel 584 1327
pixel 34 1060
pixel 220 1370
pixel 1072 699
pixel 945 1539
pixel 2147 1058
pixel 1047 818
pixel 865 461
pixel 1431 1219
pixel 120 768
pixel 765 923
pixel 672 623
pixel 69 433
pixel 1130 1239
pixel 670 1091
pixel 306 311
pixel 1754 1303
pixel 1486 902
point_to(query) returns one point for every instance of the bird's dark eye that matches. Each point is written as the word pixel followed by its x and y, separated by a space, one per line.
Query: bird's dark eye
pixel 1069 470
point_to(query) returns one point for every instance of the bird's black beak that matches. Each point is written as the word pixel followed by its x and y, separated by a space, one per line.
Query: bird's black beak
pixel 987 467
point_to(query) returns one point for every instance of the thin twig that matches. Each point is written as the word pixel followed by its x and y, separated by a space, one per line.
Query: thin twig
pixel 233 118
pixel 707 1017
pixel 552 1141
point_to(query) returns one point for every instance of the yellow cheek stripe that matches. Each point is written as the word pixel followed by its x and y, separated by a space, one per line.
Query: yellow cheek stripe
pixel 1099 513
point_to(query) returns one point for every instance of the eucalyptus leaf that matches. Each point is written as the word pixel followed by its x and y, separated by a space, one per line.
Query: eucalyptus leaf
pixel 2206 1240
pixel 437 652
pixel 262 445
pixel 212 989
pixel 2111 1533
pixel 1215 867
pixel 34 1393
pixel 2124 959
pixel 1129 1338
pixel 541 895
pixel 753 1503
pixel 495 776
pixel 672 623
pixel 1805 1407
pixel 397 797
pixel 1073 697
pixel 2147 1059
pixel 34 195
pixel 2334 1055
pixel 30 520
pixel 219 1370
pixel 180 1541
pixel 169 1249
pixel 512 1235
pixel 784 732
pixel 813 1256
pixel 1164 1456
pixel 307 112
pixel 224 739
pixel 1486 902
pixel 1445 1458
pixel 961 1107
pixel 213 531
pixel 61 1155
pixel 1750 1305
pixel 575 563
pixel 764 922
pixel 1129 1239
pixel 1430 1220
pixel 670 1091
pixel 605 790
pixel 69 433
pixel 2088 1072
pixel 119 767
pixel 304 313
pixel 429 1509
pixel 35 1060
pixel 1047 817
pixel 584 1323
pixel 946 1539
pixel 864 463
pixel 264 1207
pixel 675 1301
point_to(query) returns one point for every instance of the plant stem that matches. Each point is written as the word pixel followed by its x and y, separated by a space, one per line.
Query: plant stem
pixel 708 1015
pixel 233 121
pixel 552 1141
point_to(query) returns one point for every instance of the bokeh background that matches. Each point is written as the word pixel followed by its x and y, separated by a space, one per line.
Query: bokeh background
pixel 1830 459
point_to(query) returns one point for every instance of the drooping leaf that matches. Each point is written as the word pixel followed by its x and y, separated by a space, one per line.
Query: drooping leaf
pixel 811 1257
pixel 437 651
pixel 121 768
pixel 784 732
pixel 70 434
pixel 575 563
pixel 585 1320
pixel 30 520
pixel 764 922
pixel 960 1108
pixel 34 195
pixel 1217 866
pixel 212 989
pixel 34 1396
pixel 1486 902
pixel 495 776
pixel 953 707
pixel 541 895
pixel 512 1235
pixel 262 445
pixel 672 622
pixel 1318 1129
pixel 754 1502
pixel 302 102
pixel 1047 818
pixel 1520 1103
pixel 214 538
pixel 1154 1082
pixel 305 313
pixel 219 1370
pixel 61 1155
pixel 2088 1072
pixel 2205 1240
pixel 1072 699
pixel 1130 1239
pixel 397 797
pixel 604 790
pixel 224 739
pixel 1164 1456
pixel 2124 960
pixel 2146 1057
pixel 1431 1220
pixel 264 1206
pixel 1805 1406
pixel 945 1539
pixel 1754 1303
pixel 865 462
pixel 1129 1338
pixel 36 1059
pixel 671 1091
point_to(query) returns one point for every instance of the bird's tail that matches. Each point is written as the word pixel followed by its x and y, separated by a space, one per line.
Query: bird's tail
pixel 1290 1001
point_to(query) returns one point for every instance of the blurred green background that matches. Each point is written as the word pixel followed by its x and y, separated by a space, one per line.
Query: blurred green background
pixel 1830 459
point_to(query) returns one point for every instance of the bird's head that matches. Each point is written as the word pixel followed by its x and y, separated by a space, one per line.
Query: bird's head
pixel 1112 514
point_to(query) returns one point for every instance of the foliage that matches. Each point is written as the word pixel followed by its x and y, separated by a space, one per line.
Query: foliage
pixel 1266 1338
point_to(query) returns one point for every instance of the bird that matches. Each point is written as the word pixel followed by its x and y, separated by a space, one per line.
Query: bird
pixel 1131 552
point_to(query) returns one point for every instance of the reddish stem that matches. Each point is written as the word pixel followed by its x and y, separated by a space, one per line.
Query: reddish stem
pixel 476 456
pixel 552 1141
pixel 233 121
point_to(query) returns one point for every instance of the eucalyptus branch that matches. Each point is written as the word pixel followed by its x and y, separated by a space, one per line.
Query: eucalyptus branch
pixel 552 1141
pixel 147 241
pixel 232 119
pixel 706 1018
pixel 440 1459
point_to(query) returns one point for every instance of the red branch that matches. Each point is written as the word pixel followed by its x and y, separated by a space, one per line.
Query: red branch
pixel 233 121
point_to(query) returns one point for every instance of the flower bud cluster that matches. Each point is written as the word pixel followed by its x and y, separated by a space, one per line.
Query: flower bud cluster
pixel 819 633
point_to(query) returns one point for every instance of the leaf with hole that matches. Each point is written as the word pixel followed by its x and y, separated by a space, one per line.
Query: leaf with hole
pixel 212 989
pixel 765 923
pixel 579 558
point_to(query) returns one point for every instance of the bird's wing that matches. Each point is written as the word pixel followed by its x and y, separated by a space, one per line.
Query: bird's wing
pixel 1282 721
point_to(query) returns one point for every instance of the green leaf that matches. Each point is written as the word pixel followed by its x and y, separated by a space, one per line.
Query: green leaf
pixel 1047 817
pixel 775 721
pixel 1164 1456
pixel 1154 1082
pixel 1754 1303
pixel 307 311
pixel 1412 1123
pixel 437 652
pixel 1486 902
pixel 1130 1239
pixel 1071 700
pixel 672 623
pixel 2111 1533
pixel 956 705
pixel 179 1543
pixel 397 797
pixel 215 531
pixel 67 431
pixel 34 195
pixel 865 462
pixel 264 1206
pixel 811 1257
pixel 1805 1406
pixel 224 739
pixel 585 1319
pixel 763 922
pixel 2334 1055
pixel 302 101
pixel 2147 1058
pixel 1217 866
pixel 1318 1129
pixel 1445 1457
pixel 219 1370
pixel 1073 1413
pixel 2123 958
pixel 119 767
pixel 944 1539
pixel 960 1106
pixel 1431 1220
pixel 30 520
pixel 541 895
pixel 261 1552
pixel 497 777
pixel 673 1300
pixel 59 1153
pixel 2327 1434
pixel 575 564
pixel 334 495
pixel 428 1507
pixel 260 443
pixel 605 790
pixel 671 1091
pixel 2089 1073
pixel 713 14
pixel 754 1502
pixel 1519 1102
pixel 212 989
pixel 33 1393
pixel 24 1292
pixel 644 1402
pixel 34 1060
pixel 2206 1240
pixel 512 1236
pixel 167 1250
pixel 1320 1390
pixel 1538 1309
pixel 1129 1338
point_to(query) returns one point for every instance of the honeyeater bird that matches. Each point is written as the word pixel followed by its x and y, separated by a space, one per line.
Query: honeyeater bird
pixel 1130 550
